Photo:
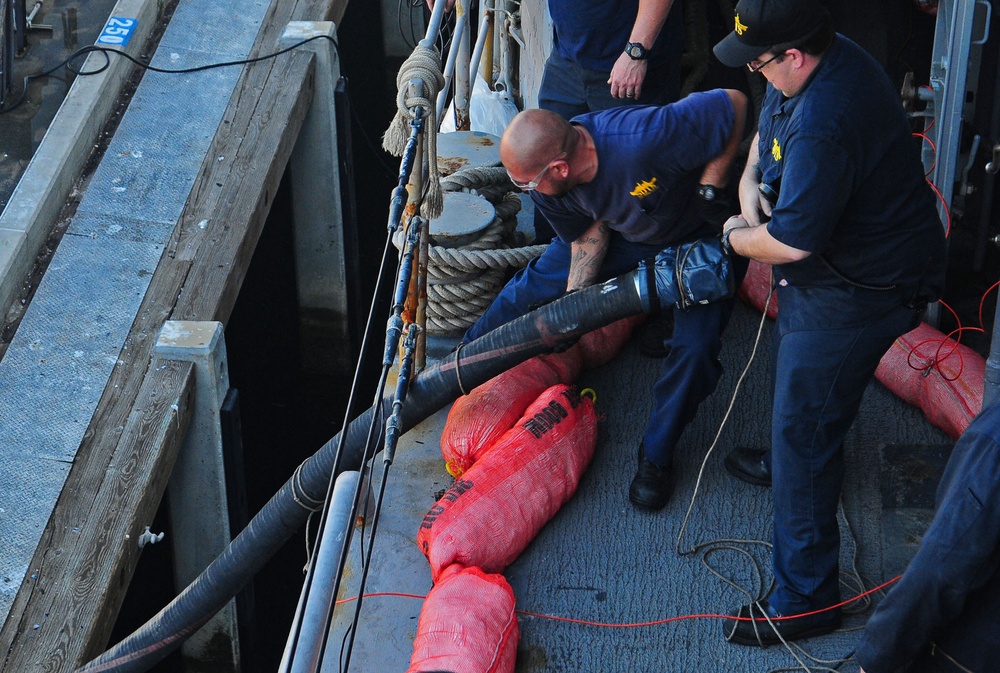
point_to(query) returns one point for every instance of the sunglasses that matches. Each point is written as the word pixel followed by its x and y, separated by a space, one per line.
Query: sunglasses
pixel 532 184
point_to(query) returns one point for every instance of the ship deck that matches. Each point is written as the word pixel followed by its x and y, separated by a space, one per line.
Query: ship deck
pixel 637 603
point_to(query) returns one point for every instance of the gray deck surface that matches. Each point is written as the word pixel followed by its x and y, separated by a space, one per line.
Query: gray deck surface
pixel 602 560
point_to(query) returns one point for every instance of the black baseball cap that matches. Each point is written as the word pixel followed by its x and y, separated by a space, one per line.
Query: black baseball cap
pixel 770 25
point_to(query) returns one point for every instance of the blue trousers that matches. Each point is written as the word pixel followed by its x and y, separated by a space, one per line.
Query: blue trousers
pixel 828 343
pixel 690 372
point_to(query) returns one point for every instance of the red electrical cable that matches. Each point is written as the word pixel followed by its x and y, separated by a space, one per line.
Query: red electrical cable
pixel 656 622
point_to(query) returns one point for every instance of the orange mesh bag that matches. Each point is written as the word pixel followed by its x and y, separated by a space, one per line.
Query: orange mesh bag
pixel 477 420
pixel 467 625
pixel 941 377
pixel 491 513
pixel 599 347
pixel 756 286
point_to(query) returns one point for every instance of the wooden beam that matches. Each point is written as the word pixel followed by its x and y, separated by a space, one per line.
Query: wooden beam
pixel 248 185
pixel 82 563
pixel 91 548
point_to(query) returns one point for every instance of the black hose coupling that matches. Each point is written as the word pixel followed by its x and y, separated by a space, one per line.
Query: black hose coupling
pixel 692 273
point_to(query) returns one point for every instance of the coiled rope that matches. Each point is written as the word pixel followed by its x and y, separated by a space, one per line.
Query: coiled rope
pixel 424 66
pixel 463 281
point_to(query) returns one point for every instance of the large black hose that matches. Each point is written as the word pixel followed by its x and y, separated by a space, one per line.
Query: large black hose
pixel 678 277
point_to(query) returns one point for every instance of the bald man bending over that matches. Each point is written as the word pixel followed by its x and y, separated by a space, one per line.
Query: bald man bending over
pixel 618 186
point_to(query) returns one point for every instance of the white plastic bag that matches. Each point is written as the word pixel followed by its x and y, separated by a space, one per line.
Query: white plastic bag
pixel 489 111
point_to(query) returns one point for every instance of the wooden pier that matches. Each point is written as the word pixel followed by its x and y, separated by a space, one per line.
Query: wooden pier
pixel 72 588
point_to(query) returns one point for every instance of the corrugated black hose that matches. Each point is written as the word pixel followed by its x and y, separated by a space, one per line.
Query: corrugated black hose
pixel 704 274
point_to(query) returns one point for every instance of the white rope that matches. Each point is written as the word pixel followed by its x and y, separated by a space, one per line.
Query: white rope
pixel 424 66
pixel 462 282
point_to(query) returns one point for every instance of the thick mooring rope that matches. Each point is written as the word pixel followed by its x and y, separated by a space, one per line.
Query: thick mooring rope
pixel 463 281
pixel 424 66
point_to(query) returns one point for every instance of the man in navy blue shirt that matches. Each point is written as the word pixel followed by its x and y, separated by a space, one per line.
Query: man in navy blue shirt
pixel 942 615
pixel 609 53
pixel 857 250
pixel 618 186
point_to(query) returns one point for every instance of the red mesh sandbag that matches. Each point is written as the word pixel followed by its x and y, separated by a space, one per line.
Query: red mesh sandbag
pixel 477 420
pixel 467 625
pixel 491 513
pixel 756 286
pixel 943 378
pixel 602 345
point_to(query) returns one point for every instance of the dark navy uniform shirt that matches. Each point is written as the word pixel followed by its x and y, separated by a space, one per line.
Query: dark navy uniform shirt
pixel 649 161
pixel 949 594
pixel 594 33
pixel 852 188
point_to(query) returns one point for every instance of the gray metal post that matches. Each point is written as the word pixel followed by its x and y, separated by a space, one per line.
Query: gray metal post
pixel 463 85
pixel 320 260
pixel 949 79
pixel 303 651
pixel 199 513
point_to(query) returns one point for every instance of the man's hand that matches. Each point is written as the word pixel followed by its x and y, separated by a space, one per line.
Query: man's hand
pixel 627 77
pixel 754 207
pixel 735 222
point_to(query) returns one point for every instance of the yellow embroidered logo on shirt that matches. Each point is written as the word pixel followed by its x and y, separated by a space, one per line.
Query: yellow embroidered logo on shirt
pixel 740 28
pixel 776 150
pixel 644 188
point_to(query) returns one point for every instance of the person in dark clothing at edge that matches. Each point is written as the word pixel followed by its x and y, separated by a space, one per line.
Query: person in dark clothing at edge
pixel 618 186
pixel 857 250
pixel 942 615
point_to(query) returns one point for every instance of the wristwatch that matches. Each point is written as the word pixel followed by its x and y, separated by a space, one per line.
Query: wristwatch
pixel 706 192
pixel 726 245
pixel 635 51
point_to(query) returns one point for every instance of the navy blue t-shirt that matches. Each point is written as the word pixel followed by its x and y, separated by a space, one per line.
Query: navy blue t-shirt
pixel 649 161
pixel 852 187
pixel 594 34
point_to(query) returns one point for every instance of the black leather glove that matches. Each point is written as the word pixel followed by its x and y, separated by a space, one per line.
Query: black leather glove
pixel 714 205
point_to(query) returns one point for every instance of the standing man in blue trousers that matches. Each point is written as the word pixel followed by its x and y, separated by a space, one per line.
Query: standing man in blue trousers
pixel 857 250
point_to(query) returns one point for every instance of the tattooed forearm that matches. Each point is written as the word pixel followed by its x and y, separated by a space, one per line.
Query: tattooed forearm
pixel 587 254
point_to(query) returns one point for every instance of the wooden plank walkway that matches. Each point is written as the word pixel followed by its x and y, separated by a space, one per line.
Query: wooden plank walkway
pixel 65 609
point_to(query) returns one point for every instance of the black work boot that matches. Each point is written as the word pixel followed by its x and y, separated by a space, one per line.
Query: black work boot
pixel 651 487
pixel 654 332
pixel 749 465
pixel 759 625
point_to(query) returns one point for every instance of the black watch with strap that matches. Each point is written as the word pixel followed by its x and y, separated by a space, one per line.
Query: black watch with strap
pixel 726 245
pixel 636 51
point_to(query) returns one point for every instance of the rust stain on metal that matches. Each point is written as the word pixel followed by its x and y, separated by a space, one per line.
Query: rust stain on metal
pixel 452 164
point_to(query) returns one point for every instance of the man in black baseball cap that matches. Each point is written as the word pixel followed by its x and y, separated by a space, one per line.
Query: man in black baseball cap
pixel 770 25
pixel 834 198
